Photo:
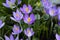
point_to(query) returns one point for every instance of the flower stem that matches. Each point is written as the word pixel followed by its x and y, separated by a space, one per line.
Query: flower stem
pixel 29 38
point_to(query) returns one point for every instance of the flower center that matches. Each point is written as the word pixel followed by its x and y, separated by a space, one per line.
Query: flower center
pixel 17 15
pixel 16 29
pixel 44 0
pixel 52 12
pixel 28 31
pixel 29 19
pixel 26 9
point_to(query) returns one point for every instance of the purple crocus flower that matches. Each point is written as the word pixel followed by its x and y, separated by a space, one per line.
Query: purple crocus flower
pixel 46 4
pixel 57 37
pixel 17 16
pixel 10 3
pixel 26 9
pixel 29 19
pixel 11 38
pixel 1 24
pixel 16 30
pixel 29 32
pixel 52 11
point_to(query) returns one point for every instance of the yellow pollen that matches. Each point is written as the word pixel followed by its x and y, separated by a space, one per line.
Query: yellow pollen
pixel 29 19
pixel 52 11
pixel 16 29
pixel 26 9
pixel 17 14
pixel 28 31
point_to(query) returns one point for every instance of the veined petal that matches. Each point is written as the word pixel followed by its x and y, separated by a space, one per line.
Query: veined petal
pixel 2 25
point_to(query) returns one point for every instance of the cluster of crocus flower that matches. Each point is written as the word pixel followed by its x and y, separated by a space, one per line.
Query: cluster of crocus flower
pixel 18 15
pixel 52 10
pixel 16 30
pixel 49 8
pixel 23 13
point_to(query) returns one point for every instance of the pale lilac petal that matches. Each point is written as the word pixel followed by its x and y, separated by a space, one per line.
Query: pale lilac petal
pixel 25 18
pixel 30 8
pixel 13 1
pixel 11 37
pixel 7 1
pixel 6 5
pixel 2 25
pixel 6 38
pixel 17 38
pixel 57 37
pixel 13 19
pixel 19 1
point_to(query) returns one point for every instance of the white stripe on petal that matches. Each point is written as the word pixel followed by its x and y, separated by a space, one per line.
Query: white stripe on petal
pixel 2 25
pixel 13 19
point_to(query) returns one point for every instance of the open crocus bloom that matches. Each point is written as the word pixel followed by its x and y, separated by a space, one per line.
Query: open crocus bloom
pixel 11 38
pixel 10 3
pixel 26 9
pixel 29 19
pixel 17 16
pixel 57 37
pixel 1 24
pixel 29 32
pixel 16 30
pixel 52 11
pixel 46 4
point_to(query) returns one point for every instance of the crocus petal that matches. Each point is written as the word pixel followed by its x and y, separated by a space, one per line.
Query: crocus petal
pixel 6 38
pixel 19 1
pixel 2 25
pixel 7 1
pixel 25 18
pixel 30 8
pixel 17 38
pixel 32 17
pixel 57 37
pixel 13 19
pixel 13 1
pixel 11 37
pixel 6 5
